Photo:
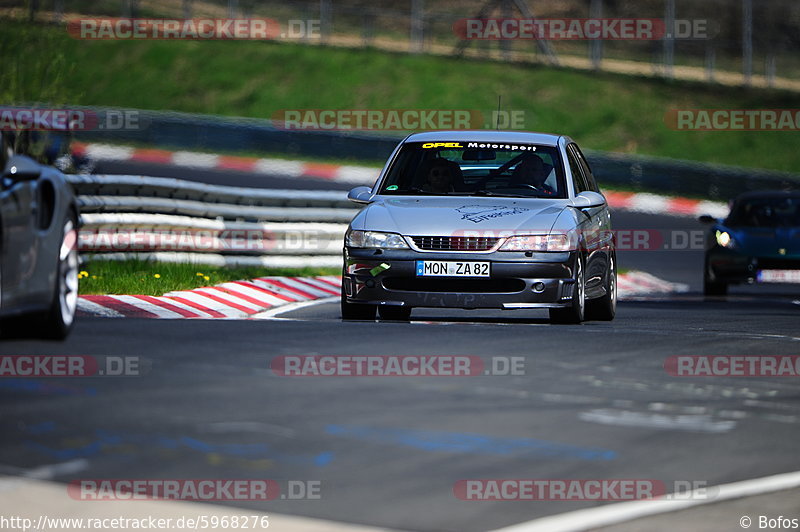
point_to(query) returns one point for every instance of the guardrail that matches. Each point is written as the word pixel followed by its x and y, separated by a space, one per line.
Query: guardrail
pixel 172 220
pixel 226 134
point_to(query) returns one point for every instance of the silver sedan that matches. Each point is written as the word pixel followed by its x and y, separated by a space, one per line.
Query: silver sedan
pixel 481 219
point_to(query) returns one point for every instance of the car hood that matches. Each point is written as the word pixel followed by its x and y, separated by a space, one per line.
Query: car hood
pixel 419 216
pixel 768 241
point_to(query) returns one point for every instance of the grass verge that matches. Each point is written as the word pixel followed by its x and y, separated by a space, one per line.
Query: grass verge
pixel 601 111
pixel 157 278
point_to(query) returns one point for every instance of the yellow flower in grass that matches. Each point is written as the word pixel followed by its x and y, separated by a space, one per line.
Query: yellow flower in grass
pixel 157 276
pixel 200 274
pixel 206 277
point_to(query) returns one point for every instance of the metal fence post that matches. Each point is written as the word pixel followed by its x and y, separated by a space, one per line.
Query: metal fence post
pixel 669 38
pixel 58 11
pixel 596 45
pixel 417 26
pixel 747 40
pixel 769 69
pixel 325 20
pixel 710 60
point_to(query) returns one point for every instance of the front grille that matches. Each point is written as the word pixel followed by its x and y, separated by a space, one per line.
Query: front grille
pixel 421 284
pixel 454 243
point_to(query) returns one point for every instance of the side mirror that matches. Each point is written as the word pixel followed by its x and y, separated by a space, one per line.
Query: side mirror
pixel 588 198
pixel 22 168
pixel 360 194
pixel 706 219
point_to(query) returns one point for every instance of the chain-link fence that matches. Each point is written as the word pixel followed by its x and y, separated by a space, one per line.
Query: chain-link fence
pixel 735 41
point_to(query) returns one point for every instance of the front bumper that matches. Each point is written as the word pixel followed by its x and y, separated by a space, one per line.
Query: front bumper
pixel 517 280
pixel 732 267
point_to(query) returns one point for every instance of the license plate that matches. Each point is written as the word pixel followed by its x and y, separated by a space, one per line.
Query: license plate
pixel 778 276
pixel 438 268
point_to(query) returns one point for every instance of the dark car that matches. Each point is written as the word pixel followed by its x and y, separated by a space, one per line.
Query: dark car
pixel 38 248
pixel 759 242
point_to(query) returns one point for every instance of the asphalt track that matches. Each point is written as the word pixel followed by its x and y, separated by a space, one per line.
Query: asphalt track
pixel 594 402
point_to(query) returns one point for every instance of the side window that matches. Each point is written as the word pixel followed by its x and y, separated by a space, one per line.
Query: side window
pixel 586 169
pixel 578 180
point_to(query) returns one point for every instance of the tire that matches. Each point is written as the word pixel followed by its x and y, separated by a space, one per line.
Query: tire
pixel 56 322
pixel 712 287
pixel 605 308
pixel 575 313
pixel 394 313
pixel 59 319
pixel 356 311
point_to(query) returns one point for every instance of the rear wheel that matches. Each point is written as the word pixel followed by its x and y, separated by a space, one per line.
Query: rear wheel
pixel 575 312
pixel 356 311
pixel 394 313
pixel 605 308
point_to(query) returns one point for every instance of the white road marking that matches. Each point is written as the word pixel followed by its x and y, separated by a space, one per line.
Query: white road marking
pixel 685 422
pixel 98 310
pixel 46 472
pixel 29 498
pixel 161 312
pixel 612 514
pixel 273 313
pixel 184 306
pixel 195 159
pixel 226 427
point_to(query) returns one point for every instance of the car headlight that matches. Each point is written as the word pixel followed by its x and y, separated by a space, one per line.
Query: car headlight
pixel 374 239
pixel 724 239
pixel 558 242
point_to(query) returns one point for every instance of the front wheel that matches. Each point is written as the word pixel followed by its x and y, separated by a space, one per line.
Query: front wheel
pixel 712 287
pixel 575 312
pixel 56 322
pixel 356 311
pixel 394 313
pixel 59 319
pixel 605 308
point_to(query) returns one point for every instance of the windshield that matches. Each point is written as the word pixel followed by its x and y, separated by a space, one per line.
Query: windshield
pixel 476 169
pixel 766 212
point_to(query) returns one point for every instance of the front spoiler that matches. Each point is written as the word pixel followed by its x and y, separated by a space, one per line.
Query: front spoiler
pixel 366 273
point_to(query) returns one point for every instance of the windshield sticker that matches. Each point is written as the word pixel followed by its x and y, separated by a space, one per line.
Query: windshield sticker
pixel 392 187
pixel 512 147
pixel 481 213
pixel 442 145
